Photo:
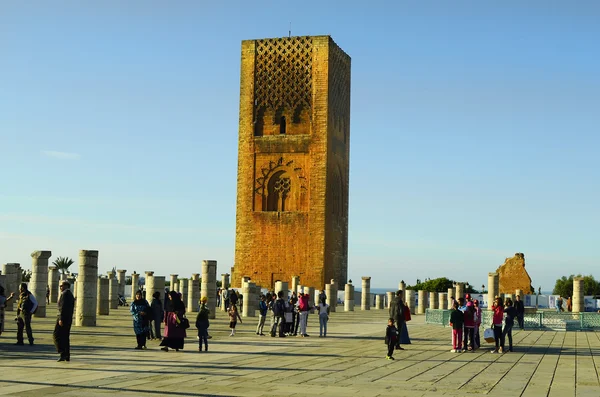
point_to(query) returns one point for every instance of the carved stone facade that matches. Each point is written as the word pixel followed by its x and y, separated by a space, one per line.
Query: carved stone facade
pixel 293 162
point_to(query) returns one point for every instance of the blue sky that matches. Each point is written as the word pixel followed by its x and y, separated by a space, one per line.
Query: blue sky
pixel 474 132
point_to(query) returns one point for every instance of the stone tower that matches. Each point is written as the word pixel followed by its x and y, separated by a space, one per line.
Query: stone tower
pixel 293 162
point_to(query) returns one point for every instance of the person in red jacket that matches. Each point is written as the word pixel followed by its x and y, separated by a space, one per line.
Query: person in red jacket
pixel 497 320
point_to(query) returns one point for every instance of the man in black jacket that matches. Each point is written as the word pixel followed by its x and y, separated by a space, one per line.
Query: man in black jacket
pixel 397 313
pixel 64 320
pixel 520 309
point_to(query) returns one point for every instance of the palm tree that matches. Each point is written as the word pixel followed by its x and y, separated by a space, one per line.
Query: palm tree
pixel 63 264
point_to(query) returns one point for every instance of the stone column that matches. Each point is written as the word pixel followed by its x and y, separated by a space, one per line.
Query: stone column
pixel 402 287
pixel 135 285
pixel 39 279
pixel 422 304
pixel 158 285
pixel 9 270
pixel 87 289
pixel 519 292
pixel 113 291
pixel 175 286
pixel 295 282
pixel 225 280
pixel 282 286
pixel 121 277
pixel 411 300
pixel 379 302
pixel 63 276
pixel 433 301
pixel 578 299
pixel 19 276
pixel 493 287
pixel 53 278
pixel 172 282
pixel 193 302
pixel 451 294
pixel 333 298
pixel 103 297
pixel 349 298
pixel 209 285
pixel 460 290
pixel 247 292
pixel 311 297
pixel 184 285
pixel 443 300
pixel 148 286
pixel 365 296
pixel 299 289
pixel 390 298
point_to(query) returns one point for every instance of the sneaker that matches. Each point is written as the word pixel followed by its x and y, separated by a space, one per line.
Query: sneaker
pixel 501 350
pixel 165 349
pixel 306 335
pixel 453 351
pixel 138 348
pixel 262 334
pixel 390 357
pixel 399 348
pixel 459 351
pixel 494 351
pixel 61 359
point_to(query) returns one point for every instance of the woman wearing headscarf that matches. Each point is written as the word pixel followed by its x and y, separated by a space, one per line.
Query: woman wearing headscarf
pixel 174 334
pixel 141 312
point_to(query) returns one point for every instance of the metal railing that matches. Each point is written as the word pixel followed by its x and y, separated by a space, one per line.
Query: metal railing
pixel 538 320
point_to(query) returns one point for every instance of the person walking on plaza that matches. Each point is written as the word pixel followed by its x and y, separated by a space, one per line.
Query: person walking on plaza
pixel 157 315
pixel 64 320
pixel 497 318
pixel 202 324
pixel 391 336
pixel 520 311
pixel 225 297
pixel 569 304
pixel 323 317
pixel 559 304
pixel 456 322
pixel 26 306
pixel 303 307
pixel 262 310
pixel 174 334
pixel 234 315
pixel 142 313
pixel 278 321
pixel 397 314
pixel 509 322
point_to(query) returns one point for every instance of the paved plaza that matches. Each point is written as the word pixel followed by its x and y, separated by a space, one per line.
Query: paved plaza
pixel 350 361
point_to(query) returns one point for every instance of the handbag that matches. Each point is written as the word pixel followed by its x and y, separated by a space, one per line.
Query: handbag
pixel 183 323
pixel 407 313
pixel 488 335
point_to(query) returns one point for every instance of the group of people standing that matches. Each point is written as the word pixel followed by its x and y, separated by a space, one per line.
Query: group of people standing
pixel 27 306
pixel 466 319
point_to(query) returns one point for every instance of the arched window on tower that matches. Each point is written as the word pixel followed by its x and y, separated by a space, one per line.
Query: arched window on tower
pixel 282 125
pixel 279 192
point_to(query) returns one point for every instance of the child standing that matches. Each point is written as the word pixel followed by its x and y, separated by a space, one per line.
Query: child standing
pixel 234 315
pixel 202 324
pixel 456 322
pixel 391 336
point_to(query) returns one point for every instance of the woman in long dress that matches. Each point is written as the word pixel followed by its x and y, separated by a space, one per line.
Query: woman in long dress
pixel 140 310
pixel 174 334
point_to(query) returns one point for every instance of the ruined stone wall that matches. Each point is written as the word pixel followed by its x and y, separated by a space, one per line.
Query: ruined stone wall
pixel 513 276
pixel 292 188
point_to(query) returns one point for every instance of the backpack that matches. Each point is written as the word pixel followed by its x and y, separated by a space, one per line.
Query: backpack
pixel 278 308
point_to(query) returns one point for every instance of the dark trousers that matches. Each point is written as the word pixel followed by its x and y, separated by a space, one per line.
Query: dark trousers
pixel 295 322
pixel 469 338
pixel 61 337
pixel 24 321
pixel 203 335
pixel 507 332
pixel 391 346
pixel 520 321
pixel 155 329
pixel 497 335
pixel 278 324
pixel 141 339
